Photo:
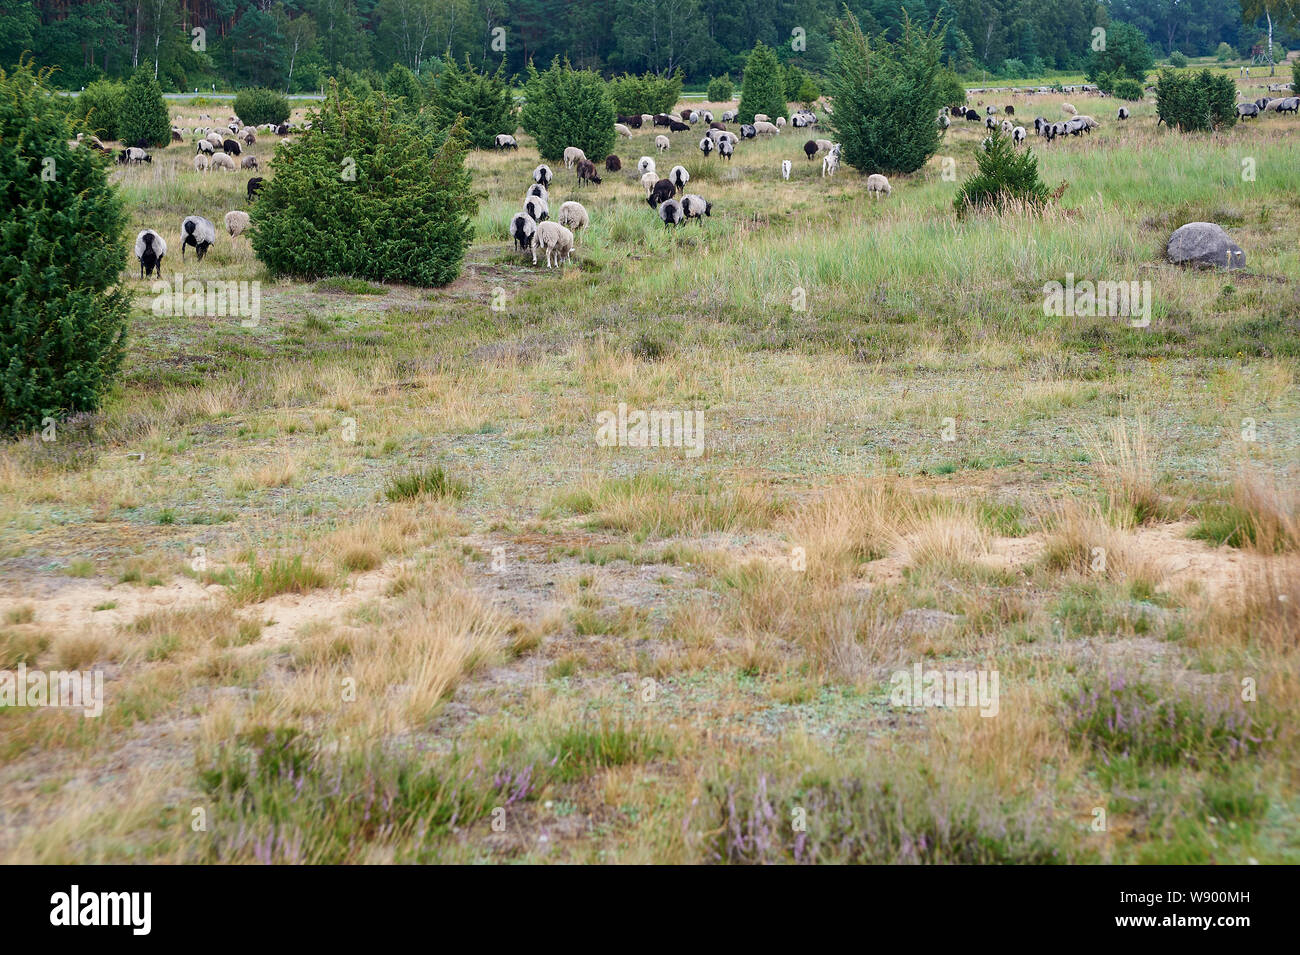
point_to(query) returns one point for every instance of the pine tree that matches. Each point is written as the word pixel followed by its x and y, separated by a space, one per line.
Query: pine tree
pixel 144 117
pixel 62 314
pixel 761 88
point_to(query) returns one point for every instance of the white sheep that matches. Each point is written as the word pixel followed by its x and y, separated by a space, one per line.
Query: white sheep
pixel 764 128
pixel 215 139
pixel 198 232
pixel 831 162
pixel 785 169
pixel 1069 108
pixel 248 162
pixel 648 182
pixel 824 145
pixel 644 165
pixel 556 240
pixel 573 215
pixel 647 121
pixel 760 118
pixel 877 185
pixel 662 143
pixel 223 162
pixel 679 177
pixel 622 130
pixel 543 175
pixel 200 162
pixel 537 207
pixel 150 249
pixel 236 222
pixel 571 156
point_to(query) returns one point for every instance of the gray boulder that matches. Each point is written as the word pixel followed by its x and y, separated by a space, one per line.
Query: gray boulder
pixel 1205 245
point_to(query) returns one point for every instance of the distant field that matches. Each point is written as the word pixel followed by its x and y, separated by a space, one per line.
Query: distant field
pixel 366 588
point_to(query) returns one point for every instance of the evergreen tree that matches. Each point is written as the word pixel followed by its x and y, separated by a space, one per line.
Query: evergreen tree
pixel 100 107
pixel 1004 176
pixel 144 115
pixel 255 107
pixel 484 100
pixel 719 89
pixel 401 86
pixel 567 107
pixel 62 314
pixel 762 87
pixel 1196 101
pixel 884 97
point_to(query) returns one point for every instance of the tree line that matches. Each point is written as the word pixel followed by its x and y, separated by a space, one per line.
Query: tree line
pixel 295 45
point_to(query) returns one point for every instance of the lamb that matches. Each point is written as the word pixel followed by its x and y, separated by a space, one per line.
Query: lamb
pixel 785 169
pixel 663 191
pixel 747 131
pixel 505 141
pixel 765 129
pixel 522 228
pixel 572 154
pixel 662 143
pixel 1123 113
pixel 679 177
pixel 622 130
pixel 726 148
pixel 613 163
pixel 1069 108
pixel 223 162
pixel 543 175
pixel 236 222
pixel 780 122
pixel 648 183
pixel 877 185
pixel 1018 134
pixel 671 212
pixel 255 184
pixel 150 249
pixel 573 215
pixel 205 147
pixel 696 207
pixel 706 145
pixel 644 165
pixel 831 162
pixel 587 172
pixel 537 189
pixel 248 162
pixel 198 232
pixel 556 240
pixel 537 207
pixel 200 162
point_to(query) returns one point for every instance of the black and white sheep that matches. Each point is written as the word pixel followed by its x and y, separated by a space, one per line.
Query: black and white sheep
pixel 696 207
pixel 150 249
pixel 542 174
pixel 706 145
pixel 537 189
pixel 663 191
pixel 725 148
pixel 205 147
pixel 679 177
pixel 537 207
pixel 1123 113
pixel 134 154
pixel 198 232
pixel 522 228
pixel 747 131
pixel 506 141
pixel 644 165
pixel 671 212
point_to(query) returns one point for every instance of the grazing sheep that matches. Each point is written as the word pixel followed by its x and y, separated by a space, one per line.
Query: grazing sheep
pixel 647 119
pixel 663 191
pixel 236 222
pixel 177 135
pixel 572 154
pixel 785 169
pixel 587 172
pixel 522 228
pixel 944 121
pixel 715 135
pixel 1018 134
pixel 573 216
pixel 726 148
pixel 556 240
pixel 990 123
pixel 622 130
pixel 696 207
pixel 671 212
pixel 877 185
pixel 230 147
pixel 538 208
pixel 760 118
pixel 662 143
pixel 543 175
pixel 648 182
pixel 1069 108
pixel 706 145
pixel 677 127
pixel 810 149
pixel 1245 110
pixel 1123 113
pixel 679 177
pixel 537 189
pixel 255 184
pixel 1009 110
pixel 662 119
pixel 831 162
pixel 729 116
pixel 765 129
pixel 690 115
pixel 506 141
pixel 223 162
pixel 282 129
pixel 632 121
pixel 249 137
pixel 1290 105
pixel 200 162
pixel 718 126
pixel 248 162
pixel 134 154
pixel 990 110
pixel 205 147
pixel 613 163
pixel 214 139
pixel 747 131
pixel 198 232
pixel 150 249
pixel 972 116
pixel 708 116
pixel 780 122
pixel 644 165
pixel 97 144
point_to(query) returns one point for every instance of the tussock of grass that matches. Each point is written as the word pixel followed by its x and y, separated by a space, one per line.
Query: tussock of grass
pixel 652 504
pixel 429 482
pixel 281 576
pixel 351 286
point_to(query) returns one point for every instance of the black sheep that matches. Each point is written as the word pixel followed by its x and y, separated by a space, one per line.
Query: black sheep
pixel 677 127
pixel 613 163
pixel 663 191
pixel 972 116
pixel 587 172
pixel 255 184
pixel 810 148
pixel 663 119
pixel 1010 110
pixel 231 147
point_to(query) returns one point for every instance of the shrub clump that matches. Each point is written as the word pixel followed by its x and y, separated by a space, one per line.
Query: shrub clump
pixel 367 193
pixel 1004 178
pixel 255 107
pixel 99 106
pixel 648 93
pixel 762 88
pixel 720 89
pixel 144 117
pixel 62 314
pixel 566 107
pixel 484 100
pixel 1196 101
pixel 430 482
